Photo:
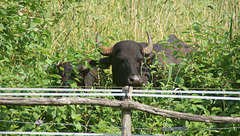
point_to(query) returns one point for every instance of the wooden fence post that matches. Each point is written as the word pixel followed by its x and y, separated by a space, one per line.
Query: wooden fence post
pixel 126 112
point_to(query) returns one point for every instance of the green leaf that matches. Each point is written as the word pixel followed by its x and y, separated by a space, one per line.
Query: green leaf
pixel 204 109
pixel 48 53
pixel 78 126
pixel 216 109
pixel 36 20
pixel 112 38
pixel 179 46
pixel 165 46
pixel 72 83
pixel 55 76
pixel 47 32
pixel 49 61
pixel 175 53
pixel 238 81
pixel 197 28
pixel 170 74
pixel 176 41
pixel 36 116
pixel 89 42
pixel 194 107
pixel 185 32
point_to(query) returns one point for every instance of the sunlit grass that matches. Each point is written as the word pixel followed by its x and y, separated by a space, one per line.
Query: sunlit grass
pixel 129 19
pixel 74 37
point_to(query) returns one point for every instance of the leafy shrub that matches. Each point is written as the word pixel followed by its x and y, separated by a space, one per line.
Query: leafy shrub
pixel 25 42
pixel 213 65
pixel 31 43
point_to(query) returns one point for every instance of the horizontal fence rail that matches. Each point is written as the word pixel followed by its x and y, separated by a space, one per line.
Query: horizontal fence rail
pixel 40 97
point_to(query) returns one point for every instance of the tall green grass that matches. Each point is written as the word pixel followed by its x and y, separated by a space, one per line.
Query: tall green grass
pixel 129 19
pixel 32 42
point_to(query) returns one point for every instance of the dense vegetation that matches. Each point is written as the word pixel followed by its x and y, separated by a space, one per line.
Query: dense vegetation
pixel 37 34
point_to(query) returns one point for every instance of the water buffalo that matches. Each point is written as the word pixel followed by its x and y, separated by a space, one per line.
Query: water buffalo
pixel 126 58
pixel 175 45
pixel 83 75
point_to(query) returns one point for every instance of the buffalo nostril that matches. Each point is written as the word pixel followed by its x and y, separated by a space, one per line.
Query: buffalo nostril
pixel 135 80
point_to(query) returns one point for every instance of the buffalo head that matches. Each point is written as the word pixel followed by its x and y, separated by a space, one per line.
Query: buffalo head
pixel 65 70
pixel 82 75
pixel 126 58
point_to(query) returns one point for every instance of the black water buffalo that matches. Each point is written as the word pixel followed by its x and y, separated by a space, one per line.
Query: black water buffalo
pixel 175 45
pixel 83 75
pixel 126 58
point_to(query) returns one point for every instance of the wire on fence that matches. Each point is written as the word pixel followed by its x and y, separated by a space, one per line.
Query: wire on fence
pixel 137 93
pixel 121 94
pixel 117 92
pixel 164 129
pixel 48 133
pixel 61 94
pixel 60 89
pixel 120 90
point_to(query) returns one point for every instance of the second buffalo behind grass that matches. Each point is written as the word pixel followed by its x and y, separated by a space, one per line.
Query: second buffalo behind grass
pixel 174 51
pixel 128 59
pixel 84 76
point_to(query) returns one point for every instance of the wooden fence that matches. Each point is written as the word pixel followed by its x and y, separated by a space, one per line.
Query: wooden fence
pixel 126 104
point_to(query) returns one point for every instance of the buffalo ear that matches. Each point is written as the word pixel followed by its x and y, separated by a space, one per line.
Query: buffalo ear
pixel 104 63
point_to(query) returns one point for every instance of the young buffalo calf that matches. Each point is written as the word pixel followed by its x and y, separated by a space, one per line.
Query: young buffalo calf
pixel 82 75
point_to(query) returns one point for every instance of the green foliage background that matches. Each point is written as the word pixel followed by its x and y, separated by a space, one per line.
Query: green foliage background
pixel 37 34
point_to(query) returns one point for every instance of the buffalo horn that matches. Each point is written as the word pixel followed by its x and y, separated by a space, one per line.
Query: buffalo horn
pixel 104 51
pixel 147 50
